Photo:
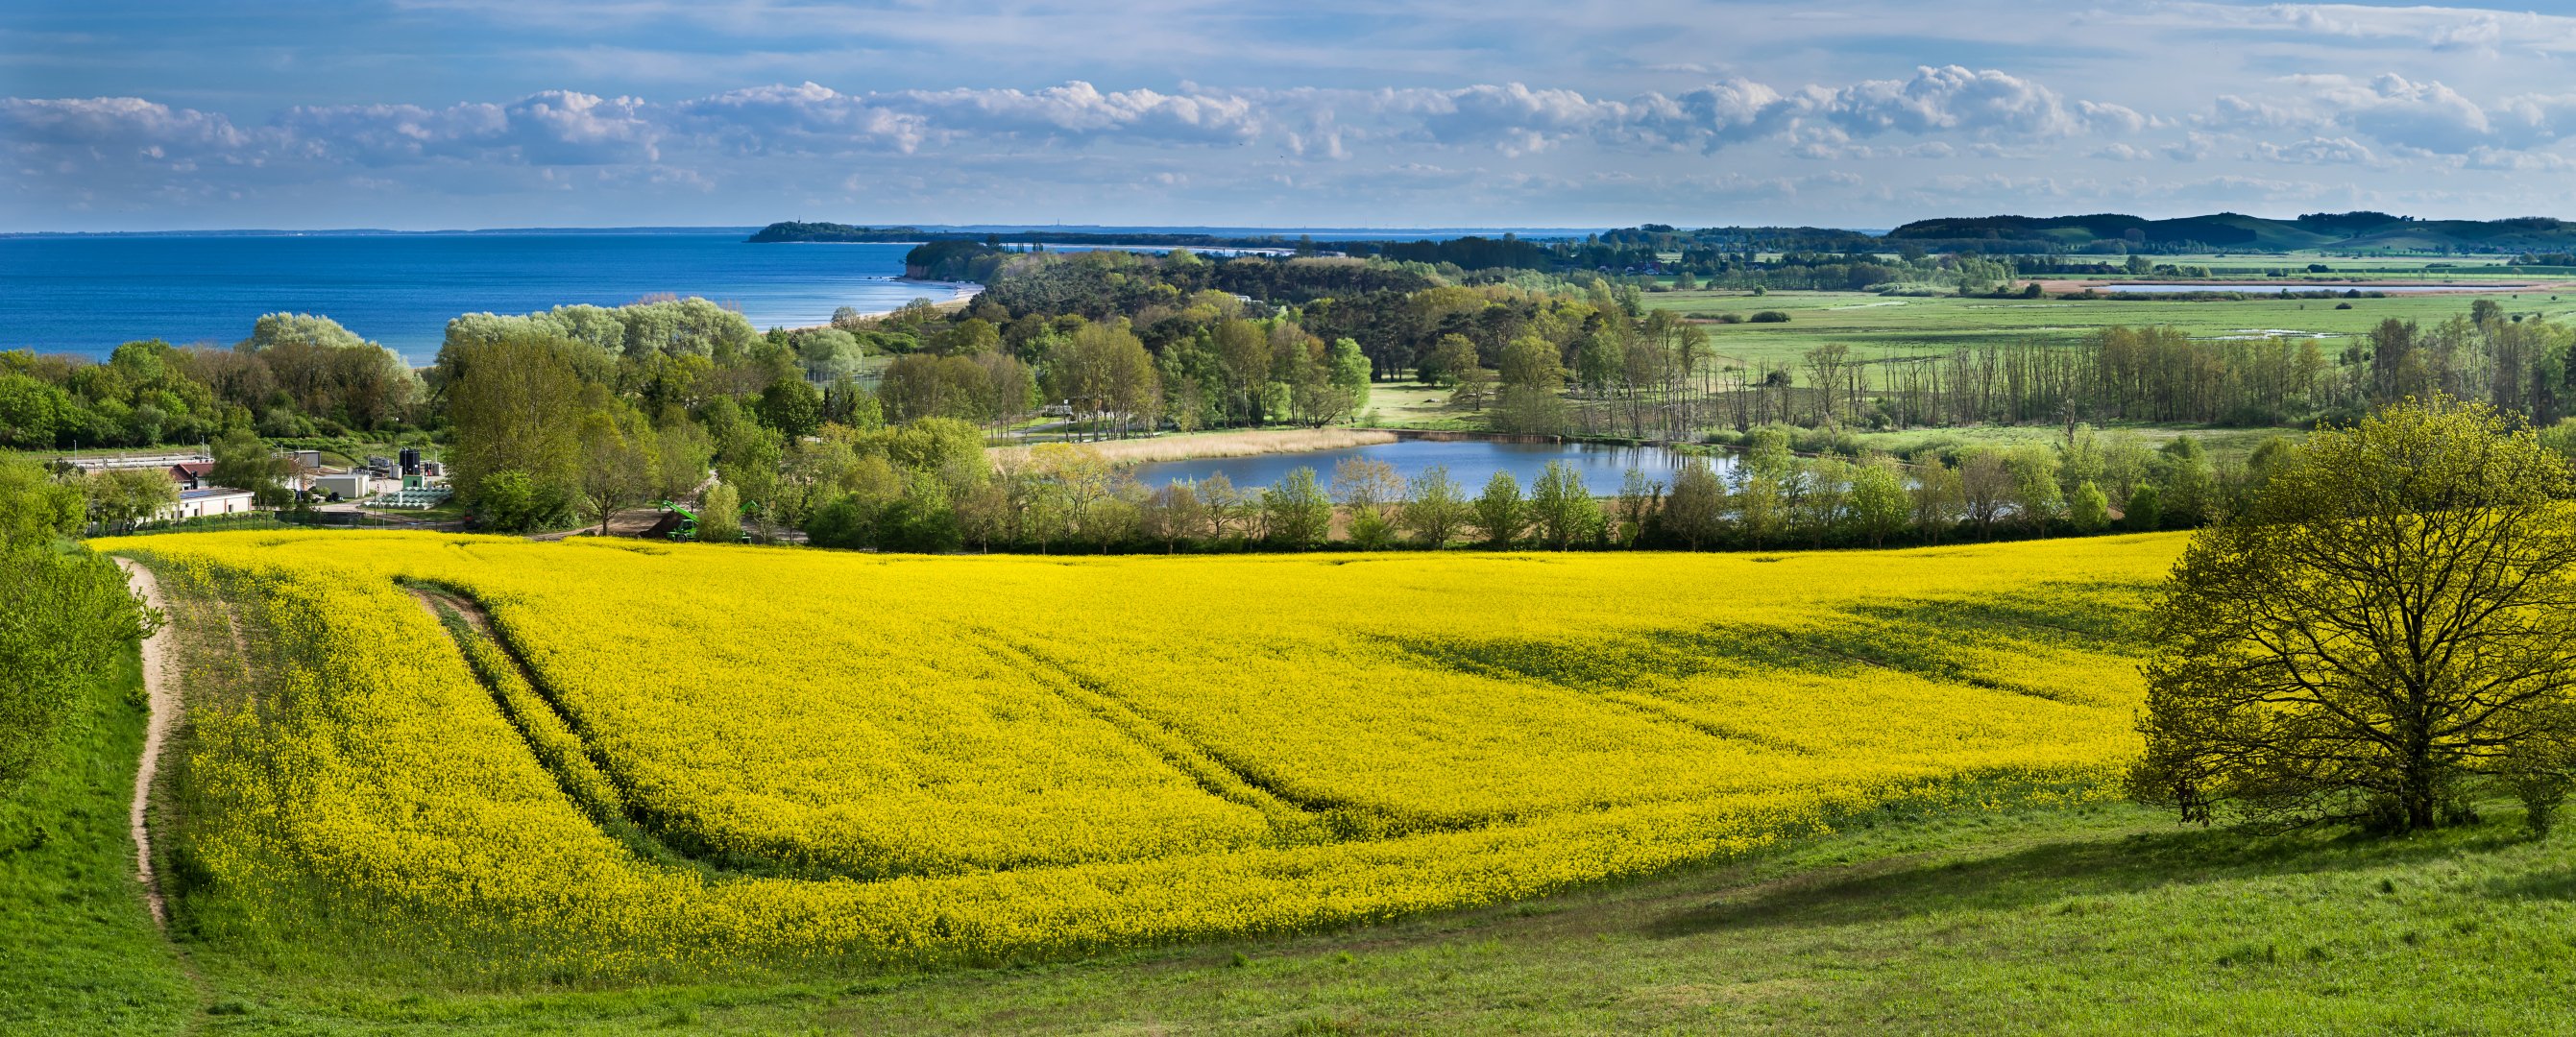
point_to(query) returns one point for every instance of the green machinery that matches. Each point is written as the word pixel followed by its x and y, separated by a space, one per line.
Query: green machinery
pixel 688 527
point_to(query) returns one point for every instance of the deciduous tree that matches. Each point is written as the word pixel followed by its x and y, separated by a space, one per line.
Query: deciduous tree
pixel 1435 509
pixel 1501 515
pixel 2391 624
pixel 1297 511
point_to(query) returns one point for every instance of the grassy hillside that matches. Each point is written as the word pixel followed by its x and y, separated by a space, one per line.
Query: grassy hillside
pixel 2100 920
pixel 78 953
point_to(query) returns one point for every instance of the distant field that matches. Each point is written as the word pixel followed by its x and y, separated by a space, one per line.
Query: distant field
pixel 708 757
pixel 2222 443
pixel 1878 326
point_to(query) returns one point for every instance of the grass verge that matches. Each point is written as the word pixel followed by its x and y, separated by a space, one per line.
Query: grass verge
pixel 78 952
pixel 2102 919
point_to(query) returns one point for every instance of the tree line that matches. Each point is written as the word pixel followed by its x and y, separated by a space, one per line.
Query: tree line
pixel 296 375
pixel 929 487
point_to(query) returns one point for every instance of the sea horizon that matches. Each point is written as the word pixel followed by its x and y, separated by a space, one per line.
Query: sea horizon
pixel 746 229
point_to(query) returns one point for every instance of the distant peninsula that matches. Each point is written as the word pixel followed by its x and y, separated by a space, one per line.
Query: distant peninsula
pixel 798 230
pixel 2362 232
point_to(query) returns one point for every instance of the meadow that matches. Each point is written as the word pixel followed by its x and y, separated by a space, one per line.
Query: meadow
pixel 610 762
pixel 1876 326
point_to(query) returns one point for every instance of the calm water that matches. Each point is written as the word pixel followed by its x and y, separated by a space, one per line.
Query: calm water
pixel 1471 463
pixel 86 295
pixel 2253 287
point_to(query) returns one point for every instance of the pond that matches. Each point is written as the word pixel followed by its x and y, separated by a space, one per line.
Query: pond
pixel 1470 461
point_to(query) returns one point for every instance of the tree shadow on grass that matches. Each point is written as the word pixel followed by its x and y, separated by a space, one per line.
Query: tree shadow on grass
pixel 2553 884
pixel 1902 887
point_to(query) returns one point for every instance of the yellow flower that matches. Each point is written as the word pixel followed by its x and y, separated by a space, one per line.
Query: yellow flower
pixel 685 753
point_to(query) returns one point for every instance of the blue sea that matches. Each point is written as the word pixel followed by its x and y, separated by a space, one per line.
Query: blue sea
pixel 85 295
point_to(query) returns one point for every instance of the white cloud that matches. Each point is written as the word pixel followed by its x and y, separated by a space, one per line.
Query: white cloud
pixel 120 127
pixel 1950 98
pixel 2110 118
pixel 2428 115
pixel 2414 27
pixel 1520 120
pixel 2406 116
pixel 2318 151
pixel 804 119
pixel 1080 111
pixel 553 128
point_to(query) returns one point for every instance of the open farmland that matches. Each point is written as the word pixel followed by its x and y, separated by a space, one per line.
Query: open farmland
pixel 782 756
pixel 1877 326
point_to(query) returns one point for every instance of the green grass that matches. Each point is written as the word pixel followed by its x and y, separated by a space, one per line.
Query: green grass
pixel 1416 404
pixel 2221 442
pixel 1881 326
pixel 2102 919
pixel 447 510
pixel 78 952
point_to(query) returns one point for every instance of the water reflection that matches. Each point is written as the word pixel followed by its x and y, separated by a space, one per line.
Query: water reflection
pixel 1471 462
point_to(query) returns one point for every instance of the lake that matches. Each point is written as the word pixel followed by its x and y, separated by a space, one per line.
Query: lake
pixel 86 295
pixel 1471 462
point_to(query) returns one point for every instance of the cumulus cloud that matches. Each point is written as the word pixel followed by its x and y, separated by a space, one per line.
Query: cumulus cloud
pixel 553 128
pixel 1080 111
pixel 120 127
pixel 803 119
pixel 1949 126
pixel 2405 116
pixel 1946 101
pixel 570 128
pixel 2417 26
pixel 2318 151
pixel 1950 98
pixel 2428 115
pixel 2110 118
pixel 566 128
pixel 1519 119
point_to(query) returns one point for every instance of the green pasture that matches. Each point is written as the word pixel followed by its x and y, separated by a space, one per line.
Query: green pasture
pixel 1899 326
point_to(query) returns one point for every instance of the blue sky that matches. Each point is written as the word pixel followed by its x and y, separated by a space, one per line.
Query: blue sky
pixel 419 114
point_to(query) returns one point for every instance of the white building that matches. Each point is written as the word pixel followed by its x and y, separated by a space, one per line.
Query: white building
pixel 349 485
pixel 213 500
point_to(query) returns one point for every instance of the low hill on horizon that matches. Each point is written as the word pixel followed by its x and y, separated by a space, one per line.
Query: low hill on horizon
pixel 2358 231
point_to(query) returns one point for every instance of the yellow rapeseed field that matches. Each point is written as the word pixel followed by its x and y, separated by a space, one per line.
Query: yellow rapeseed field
pixel 700 752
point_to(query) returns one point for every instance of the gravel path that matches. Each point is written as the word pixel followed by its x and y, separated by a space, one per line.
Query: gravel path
pixel 161 685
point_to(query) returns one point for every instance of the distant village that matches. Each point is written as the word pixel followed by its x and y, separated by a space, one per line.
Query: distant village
pixel 406 481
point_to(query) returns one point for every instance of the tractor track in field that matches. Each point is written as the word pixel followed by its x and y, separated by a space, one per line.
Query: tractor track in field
pixel 645 833
pixel 1218 773
pixel 621 819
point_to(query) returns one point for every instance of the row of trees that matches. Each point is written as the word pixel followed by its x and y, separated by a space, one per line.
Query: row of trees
pixel 1655 378
pixel 928 487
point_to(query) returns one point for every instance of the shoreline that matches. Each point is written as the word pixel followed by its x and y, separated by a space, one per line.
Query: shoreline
pixel 960 293
pixel 1203 445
